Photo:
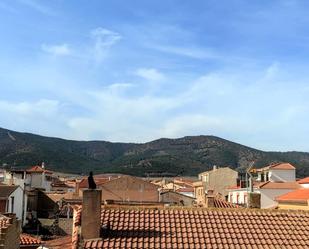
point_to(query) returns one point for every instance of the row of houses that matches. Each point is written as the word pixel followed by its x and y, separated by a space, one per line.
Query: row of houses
pixel 58 201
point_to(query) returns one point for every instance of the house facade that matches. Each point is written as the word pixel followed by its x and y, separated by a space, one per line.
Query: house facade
pixel 34 177
pixel 271 181
pixel 219 179
pixel 13 200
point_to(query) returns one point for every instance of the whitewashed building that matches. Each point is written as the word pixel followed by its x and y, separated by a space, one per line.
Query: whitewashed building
pixel 13 200
pixel 271 182
pixel 34 177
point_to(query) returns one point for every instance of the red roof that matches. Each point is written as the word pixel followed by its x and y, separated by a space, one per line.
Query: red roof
pixel 278 166
pixel 219 203
pixel 201 228
pixel 185 190
pixel 99 180
pixel 59 243
pixel 28 240
pixel 282 166
pixel 279 185
pixel 304 180
pixel 38 169
pixel 299 195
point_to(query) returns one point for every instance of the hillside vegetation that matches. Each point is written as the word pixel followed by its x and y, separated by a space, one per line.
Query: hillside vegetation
pixel 183 156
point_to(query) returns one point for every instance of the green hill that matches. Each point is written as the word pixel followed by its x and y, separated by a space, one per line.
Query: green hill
pixel 183 156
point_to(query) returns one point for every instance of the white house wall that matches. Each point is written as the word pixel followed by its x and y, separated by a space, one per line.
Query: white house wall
pixel 242 196
pixel 18 203
pixel 268 196
pixel 305 185
pixel 282 175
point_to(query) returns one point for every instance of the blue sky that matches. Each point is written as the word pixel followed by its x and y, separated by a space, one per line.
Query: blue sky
pixel 134 71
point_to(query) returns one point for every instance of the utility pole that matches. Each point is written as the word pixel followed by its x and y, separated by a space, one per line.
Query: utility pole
pixel 248 175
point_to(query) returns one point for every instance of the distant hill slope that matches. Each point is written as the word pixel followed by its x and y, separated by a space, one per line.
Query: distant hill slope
pixel 183 156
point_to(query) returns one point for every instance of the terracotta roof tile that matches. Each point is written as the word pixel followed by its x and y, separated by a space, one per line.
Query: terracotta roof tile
pixel 202 228
pixel 38 169
pixel 99 179
pixel 299 195
pixel 185 190
pixel 219 203
pixel 26 240
pixel 59 243
pixel 6 190
pixel 281 166
pixel 304 180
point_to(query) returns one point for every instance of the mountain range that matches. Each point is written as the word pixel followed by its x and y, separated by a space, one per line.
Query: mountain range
pixel 163 157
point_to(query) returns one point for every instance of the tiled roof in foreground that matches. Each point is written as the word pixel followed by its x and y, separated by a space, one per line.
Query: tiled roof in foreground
pixel 202 228
pixel 28 240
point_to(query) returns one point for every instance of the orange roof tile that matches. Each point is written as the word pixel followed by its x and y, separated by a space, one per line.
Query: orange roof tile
pixel 202 228
pixel 282 166
pixel 299 195
pixel 28 240
pixel 279 185
pixel 185 190
pixel 99 179
pixel 219 203
pixel 304 180
pixel 59 243
pixel 38 169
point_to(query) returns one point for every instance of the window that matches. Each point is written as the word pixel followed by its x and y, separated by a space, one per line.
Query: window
pixel 12 204
pixel 266 176
pixel 206 178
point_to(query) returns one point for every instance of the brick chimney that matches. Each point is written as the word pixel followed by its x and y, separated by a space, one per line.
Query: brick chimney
pixel 210 198
pixel 77 182
pixel 91 213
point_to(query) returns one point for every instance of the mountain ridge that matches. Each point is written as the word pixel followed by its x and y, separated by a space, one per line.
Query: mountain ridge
pixel 188 155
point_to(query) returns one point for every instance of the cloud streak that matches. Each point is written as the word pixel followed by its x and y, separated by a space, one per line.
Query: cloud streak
pixel 150 74
pixel 57 50
pixel 104 39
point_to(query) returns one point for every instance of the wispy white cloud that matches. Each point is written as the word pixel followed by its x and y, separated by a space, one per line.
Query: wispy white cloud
pixel 34 116
pixel 42 107
pixel 57 50
pixel 104 39
pixel 150 74
pixel 192 52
